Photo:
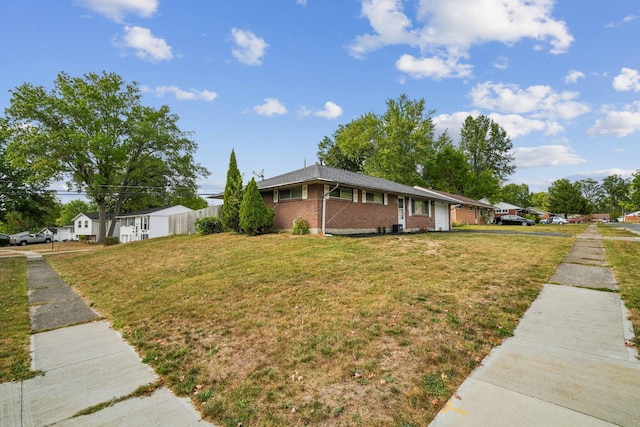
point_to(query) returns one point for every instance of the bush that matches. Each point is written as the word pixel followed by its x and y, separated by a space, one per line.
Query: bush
pixel 300 226
pixel 255 216
pixel 110 241
pixel 208 225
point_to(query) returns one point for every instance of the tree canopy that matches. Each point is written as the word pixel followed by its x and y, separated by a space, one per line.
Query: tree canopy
pixel 400 145
pixel 25 201
pixel 566 198
pixel 94 132
pixel 395 145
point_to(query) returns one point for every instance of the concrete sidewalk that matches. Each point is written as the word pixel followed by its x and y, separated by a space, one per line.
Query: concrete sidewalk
pixel 568 363
pixel 84 363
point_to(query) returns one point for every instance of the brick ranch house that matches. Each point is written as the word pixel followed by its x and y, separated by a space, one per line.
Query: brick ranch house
pixel 335 201
pixel 469 211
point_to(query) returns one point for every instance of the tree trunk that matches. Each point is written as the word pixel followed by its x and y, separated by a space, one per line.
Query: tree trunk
pixel 102 219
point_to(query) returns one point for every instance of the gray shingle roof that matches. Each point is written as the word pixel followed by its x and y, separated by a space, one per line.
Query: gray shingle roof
pixel 319 173
pixel 465 200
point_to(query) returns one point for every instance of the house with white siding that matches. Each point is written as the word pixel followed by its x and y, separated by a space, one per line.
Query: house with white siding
pixel 87 227
pixel 147 223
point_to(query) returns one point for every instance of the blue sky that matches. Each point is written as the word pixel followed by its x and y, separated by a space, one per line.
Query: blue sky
pixel 270 79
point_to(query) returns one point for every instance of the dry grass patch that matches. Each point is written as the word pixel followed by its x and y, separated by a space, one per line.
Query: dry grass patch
pixel 613 231
pixel 623 257
pixel 298 330
pixel 14 320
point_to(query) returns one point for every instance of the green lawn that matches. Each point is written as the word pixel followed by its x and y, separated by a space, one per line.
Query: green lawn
pixel 14 317
pixel 297 330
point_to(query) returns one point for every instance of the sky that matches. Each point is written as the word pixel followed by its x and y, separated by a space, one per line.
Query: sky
pixel 271 79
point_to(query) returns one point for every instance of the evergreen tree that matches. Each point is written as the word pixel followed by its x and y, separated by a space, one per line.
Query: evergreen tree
pixel 255 216
pixel 230 211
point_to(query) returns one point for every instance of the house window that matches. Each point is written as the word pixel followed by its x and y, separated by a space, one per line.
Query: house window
pixel 420 207
pixel 144 223
pixel 290 193
pixel 470 208
pixel 374 197
pixel 459 207
pixel 502 211
pixel 342 193
pixel 79 224
pixel 86 224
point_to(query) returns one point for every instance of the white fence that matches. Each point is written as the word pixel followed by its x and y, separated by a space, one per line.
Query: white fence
pixel 184 223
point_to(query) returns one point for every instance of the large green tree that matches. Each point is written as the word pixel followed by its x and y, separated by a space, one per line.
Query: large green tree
pixel 94 132
pixel 25 200
pixel 449 171
pixel 634 191
pixel 565 197
pixel 396 145
pixel 616 189
pixel 540 200
pixel 592 191
pixel 233 194
pixel 488 150
pixel 515 194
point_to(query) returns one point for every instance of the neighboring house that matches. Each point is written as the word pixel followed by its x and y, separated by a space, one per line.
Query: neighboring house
pixel 504 208
pixel 632 216
pixel 65 233
pixel 600 217
pixel 539 213
pixel 468 211
pixel 335 201
pixel 87 227
pixel 50 232
pixel 148 223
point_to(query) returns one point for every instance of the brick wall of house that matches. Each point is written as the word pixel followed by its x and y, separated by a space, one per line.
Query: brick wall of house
pixel 343 215
pixel 464 215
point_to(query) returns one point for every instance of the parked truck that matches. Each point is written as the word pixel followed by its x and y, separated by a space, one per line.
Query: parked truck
pixel 27 238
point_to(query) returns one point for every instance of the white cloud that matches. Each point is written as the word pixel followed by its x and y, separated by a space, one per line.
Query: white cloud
pixel 515 125
pixel 618 122
pixel 437 68
pixel 249 48
pixel 181 94
pixel 447 29
pixel 598 174
pixel 573 76
pixel 546 155
pixel 627 80
pixel 501 63
pixel 390 24
pixel 116 9
pixel 145 44
pixel 270 107
pixel 302 2
pixel 538 101
pixel 331 111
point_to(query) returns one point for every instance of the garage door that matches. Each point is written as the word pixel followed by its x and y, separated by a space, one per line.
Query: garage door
pixel 442 216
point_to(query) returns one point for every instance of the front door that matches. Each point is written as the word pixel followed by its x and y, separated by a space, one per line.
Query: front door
pixel 401 219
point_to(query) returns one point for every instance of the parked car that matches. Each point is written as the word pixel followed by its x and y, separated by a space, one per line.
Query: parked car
pixel 545 221
pixel 558 220
pixel 26 238
pixel 4 239
pixel 575 220
pixel 514 220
